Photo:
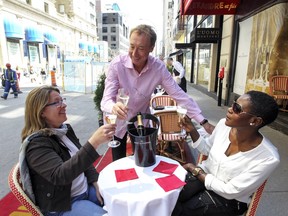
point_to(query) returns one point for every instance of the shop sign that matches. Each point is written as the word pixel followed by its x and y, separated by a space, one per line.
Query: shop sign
pixel 206 35
pixel 209 7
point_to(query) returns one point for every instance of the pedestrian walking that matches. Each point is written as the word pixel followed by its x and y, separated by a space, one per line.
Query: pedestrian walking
pixel 10 77
pixel 178 73
pixel 43 75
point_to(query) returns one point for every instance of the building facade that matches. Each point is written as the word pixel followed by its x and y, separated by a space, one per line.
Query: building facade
pixel 113 28
pixel 239 37
pixel 42 33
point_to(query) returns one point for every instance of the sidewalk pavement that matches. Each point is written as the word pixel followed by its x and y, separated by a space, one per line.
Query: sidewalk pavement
pixel 83 117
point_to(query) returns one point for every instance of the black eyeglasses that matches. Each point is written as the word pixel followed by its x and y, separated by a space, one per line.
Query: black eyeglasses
pixel 57 103
pixel 237 109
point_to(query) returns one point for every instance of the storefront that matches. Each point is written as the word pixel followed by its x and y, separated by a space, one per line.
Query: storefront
pixel 14 33
pixel 50 49
pixel 261 48
pixel 253 45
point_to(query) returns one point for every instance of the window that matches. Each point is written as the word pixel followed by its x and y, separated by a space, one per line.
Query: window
pixel 113 29
pixel 113 46
pixel 105 38
pixel 46 7
pixel 104 29
pixel 104 19
pixel 92 17
pixel 113 38
pixel 91 5
pixel 28 2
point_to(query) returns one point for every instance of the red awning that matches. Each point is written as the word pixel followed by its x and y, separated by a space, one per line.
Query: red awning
pixel 208 7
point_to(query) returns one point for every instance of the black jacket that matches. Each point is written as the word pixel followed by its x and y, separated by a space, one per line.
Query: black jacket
pixel 52 170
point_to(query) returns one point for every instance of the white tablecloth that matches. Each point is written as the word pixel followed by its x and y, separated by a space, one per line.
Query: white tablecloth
pixel 138 197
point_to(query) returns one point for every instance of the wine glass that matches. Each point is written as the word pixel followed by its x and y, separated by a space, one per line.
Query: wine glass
pixel 123 96
pixel 111 119
pixel 181 111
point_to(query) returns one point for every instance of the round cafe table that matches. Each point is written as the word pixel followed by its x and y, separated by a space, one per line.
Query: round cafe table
pixel 142 196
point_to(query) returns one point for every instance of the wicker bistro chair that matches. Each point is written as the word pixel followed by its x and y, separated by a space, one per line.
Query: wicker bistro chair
pixel 15 186
pixel 162 100
pixel 170 141
pixel 256 196
pixel 278 86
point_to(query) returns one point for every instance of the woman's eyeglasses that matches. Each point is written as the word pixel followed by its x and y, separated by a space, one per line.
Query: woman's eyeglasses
pixel 57 103
pixel 237 109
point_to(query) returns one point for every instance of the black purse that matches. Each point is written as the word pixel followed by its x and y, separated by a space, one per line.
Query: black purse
pixel 192 187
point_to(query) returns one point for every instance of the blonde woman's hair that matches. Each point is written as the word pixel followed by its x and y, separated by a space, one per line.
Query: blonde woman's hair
pixel 36 101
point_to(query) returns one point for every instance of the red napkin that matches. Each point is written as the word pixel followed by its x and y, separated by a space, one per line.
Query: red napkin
pixel 170 182
pixel 164 167
pixel 125 175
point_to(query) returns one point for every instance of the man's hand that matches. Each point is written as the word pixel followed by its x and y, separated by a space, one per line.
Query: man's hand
pixel 120 110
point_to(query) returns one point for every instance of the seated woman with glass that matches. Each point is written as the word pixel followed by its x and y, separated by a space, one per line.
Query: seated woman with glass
pixel 56 171
pixel 239 159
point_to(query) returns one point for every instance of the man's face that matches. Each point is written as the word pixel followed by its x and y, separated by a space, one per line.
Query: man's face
pixel 140 47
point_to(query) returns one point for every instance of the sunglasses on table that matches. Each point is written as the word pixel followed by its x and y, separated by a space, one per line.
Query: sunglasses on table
pixel 237 109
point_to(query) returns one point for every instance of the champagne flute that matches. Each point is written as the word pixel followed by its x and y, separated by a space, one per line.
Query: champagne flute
pixel 123 96
pixel 181 111
pixel 111 119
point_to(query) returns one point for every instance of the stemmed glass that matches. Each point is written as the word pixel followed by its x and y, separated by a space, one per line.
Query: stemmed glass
pixel 111 119
pixel 123 96
pixel 181 111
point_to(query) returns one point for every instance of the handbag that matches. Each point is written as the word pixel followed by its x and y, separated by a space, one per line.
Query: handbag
pixel 192 187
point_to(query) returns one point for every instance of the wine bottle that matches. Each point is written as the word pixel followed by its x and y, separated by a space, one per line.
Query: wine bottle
pixel 140 126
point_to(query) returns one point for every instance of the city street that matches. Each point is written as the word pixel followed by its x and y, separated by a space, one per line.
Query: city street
pixel 83 117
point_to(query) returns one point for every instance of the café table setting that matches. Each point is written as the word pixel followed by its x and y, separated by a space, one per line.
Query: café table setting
pixel 129 189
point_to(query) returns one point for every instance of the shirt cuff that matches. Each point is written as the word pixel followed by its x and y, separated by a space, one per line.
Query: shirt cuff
pixel 208 181
pixel 196 143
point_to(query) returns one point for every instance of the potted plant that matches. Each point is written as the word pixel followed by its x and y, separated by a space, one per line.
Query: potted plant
pixel 98 97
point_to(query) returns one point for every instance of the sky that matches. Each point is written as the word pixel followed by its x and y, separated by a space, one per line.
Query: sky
pixel 143 12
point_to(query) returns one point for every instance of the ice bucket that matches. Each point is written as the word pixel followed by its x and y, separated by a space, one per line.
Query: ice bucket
pixel 144 147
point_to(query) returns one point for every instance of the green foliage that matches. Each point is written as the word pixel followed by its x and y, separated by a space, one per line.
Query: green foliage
pixel 99 92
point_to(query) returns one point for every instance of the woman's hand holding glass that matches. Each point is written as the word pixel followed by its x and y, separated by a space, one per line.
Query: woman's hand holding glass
pixel 102 135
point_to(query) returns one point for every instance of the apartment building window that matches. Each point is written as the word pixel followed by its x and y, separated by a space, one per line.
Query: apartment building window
pixel 113 29
pixel 105 19
pixel 105 38
pixel 92 17
pixel 104 29
pixel 113 38
pixel 46 7
pixel 113 46
pixel 28 2
pixel 92 5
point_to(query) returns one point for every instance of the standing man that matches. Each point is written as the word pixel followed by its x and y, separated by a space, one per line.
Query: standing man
pixel 178 73
pixel 10 77
pixel 139 73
